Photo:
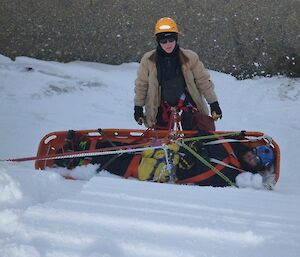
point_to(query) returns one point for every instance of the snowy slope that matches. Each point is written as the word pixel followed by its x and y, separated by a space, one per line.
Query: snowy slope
pixel 42 214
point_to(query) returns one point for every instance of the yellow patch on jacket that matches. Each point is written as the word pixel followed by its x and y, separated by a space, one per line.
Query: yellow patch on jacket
pixel 153 164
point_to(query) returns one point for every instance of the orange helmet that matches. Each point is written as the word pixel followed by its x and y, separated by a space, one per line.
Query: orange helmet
pixel 165 25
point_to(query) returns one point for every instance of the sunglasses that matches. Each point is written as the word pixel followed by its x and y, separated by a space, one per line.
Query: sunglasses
pixel 165 40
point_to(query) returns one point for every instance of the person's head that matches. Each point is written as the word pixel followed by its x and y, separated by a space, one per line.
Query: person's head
pixel 255 159
pixel 166 33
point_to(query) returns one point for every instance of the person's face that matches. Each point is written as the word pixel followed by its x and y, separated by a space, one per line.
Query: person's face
pixel 168 44
pixel 251 159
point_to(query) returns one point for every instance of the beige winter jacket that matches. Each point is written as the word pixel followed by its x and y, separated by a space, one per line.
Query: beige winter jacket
pixel 147 90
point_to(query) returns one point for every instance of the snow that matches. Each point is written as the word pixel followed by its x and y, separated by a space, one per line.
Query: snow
pixel 247 179
pixel 42 214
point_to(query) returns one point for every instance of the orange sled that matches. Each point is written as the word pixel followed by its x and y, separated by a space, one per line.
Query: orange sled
pixel 134 139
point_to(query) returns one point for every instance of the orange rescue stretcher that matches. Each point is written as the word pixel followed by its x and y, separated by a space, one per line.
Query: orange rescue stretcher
pixel 134 139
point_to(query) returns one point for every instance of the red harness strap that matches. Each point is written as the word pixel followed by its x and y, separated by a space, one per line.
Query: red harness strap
pixel 209 173
pixel 166 111
pixel 132 170
pixel 230 152
pixel 204 175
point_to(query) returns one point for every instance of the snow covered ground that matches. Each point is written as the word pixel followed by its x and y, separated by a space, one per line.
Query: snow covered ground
pixel 42 214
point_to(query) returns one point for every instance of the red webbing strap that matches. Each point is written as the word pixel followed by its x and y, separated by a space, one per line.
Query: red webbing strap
pixel 209 173
pixel 132 170
pixel 166 111
pixel 203 176
pixel 230 151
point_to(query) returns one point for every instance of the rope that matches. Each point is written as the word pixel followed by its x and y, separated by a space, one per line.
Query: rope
pixel 80 154
pixel 168 165
pixel 210 136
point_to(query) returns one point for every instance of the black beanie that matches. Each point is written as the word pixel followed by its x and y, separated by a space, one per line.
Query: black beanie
pixel 241 150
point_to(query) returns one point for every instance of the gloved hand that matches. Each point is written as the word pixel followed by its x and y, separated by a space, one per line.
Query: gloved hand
pixel 69 140
pixel 70 135
pixel 139 114
pixel 187 161
pixel 215 111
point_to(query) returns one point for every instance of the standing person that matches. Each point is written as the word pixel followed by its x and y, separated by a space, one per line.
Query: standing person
pixel 171 76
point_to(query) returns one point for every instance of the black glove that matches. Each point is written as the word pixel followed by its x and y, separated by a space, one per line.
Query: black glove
pixel 215 110
pixel 69 140
pixel 71 134
pixel 138 113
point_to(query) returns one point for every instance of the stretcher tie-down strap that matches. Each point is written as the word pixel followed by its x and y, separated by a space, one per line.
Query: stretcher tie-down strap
pixel 231 140
pixel 267 138
pixel 225 164
pixel 209 165
pixel 132 170
pixel 232 157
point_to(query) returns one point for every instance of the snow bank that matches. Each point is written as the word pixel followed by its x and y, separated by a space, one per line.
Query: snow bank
pixel 21 187
pixel 81 172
